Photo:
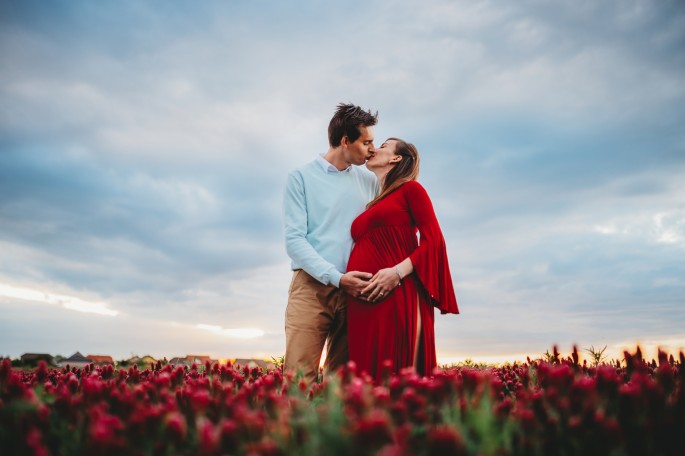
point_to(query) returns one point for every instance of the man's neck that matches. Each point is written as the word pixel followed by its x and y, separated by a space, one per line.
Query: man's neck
pixel 334 156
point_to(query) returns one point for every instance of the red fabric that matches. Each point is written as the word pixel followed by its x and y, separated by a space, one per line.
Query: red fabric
pixel 384 236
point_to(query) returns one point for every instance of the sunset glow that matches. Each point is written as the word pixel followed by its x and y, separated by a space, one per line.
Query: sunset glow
pixel 67 302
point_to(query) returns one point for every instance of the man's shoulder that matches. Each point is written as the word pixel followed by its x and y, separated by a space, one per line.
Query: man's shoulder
pixel 363 173
pixel 306 167
pixel 302 170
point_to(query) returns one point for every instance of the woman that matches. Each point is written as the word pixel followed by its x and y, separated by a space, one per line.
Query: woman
pixel 392 319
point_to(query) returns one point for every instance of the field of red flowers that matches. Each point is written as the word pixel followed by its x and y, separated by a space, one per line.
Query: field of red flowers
pixel 553 407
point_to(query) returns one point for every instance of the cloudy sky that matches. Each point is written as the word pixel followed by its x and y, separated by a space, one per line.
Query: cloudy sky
pixel 144 149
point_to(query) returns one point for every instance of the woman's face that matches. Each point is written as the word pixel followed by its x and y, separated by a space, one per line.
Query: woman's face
pixel 383 156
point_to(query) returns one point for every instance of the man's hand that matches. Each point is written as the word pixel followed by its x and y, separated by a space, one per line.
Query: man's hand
pixel 354 282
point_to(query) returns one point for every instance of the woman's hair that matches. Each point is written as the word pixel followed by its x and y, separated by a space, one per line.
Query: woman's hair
pixel 346 122
pixel 405 170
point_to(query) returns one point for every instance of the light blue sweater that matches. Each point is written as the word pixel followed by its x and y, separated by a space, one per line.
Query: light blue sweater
pixel 319 207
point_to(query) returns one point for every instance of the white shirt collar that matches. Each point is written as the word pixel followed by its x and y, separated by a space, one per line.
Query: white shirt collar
pixel 328 166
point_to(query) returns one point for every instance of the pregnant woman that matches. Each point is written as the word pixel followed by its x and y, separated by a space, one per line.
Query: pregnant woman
pixel 392 319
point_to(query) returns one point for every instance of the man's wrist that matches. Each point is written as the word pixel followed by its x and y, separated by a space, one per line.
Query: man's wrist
pixel 335 278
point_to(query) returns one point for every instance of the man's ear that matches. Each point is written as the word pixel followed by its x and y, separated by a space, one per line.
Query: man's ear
pixel 345 141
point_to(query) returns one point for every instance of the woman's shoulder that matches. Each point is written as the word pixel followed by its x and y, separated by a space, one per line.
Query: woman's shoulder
pixel 413 186
pixel 414 191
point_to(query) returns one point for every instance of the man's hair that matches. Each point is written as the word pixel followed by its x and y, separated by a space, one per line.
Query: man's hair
pixel 346 122
pixel 405 170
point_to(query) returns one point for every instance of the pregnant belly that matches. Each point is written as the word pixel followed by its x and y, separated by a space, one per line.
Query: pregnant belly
pixel 365 258
pixel 372 253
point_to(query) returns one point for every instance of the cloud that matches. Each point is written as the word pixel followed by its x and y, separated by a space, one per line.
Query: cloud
pixel 143 154
pixel 662 227
pixel 233 318
pixel 241 333
pixel 68 302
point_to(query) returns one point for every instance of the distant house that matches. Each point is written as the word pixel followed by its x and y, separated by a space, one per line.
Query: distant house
pixel 189 360
pixel 179 361
pixel 199 359
pixel 76 360
pixel 144 361
pixel 101 360
pixel 255 363
pixel 32 359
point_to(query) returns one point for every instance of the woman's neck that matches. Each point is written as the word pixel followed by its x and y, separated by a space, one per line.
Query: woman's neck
pixel 380 175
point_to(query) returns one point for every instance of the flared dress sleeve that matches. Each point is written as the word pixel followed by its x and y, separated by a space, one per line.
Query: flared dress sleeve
pixel 430 257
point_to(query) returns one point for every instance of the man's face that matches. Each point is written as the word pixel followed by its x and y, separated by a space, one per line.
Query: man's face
pixel 362 149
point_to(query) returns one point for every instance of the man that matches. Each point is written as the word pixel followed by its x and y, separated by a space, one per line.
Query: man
pixel 321 200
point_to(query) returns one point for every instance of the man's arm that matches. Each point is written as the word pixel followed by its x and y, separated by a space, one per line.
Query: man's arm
pixel 301 251
pixel 296 244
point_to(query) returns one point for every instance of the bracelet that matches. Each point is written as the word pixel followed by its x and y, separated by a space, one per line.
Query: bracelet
pixel 397 271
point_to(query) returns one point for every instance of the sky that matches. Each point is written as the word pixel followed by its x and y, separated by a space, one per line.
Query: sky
pixel 144 149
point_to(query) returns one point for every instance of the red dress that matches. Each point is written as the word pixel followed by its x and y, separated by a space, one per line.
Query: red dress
pixel 384 235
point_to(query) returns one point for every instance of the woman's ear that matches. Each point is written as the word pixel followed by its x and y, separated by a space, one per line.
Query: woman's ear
pixel 396 159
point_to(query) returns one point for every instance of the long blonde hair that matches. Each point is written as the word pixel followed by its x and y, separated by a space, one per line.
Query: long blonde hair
pixel 405 170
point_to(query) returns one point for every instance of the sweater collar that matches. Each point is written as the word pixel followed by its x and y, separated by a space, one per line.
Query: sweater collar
pixel 328 166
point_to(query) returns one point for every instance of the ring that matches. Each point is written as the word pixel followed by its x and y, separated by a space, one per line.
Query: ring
pixel 381 293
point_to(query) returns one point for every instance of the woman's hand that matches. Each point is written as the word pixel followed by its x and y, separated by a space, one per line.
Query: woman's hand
pixel 381 285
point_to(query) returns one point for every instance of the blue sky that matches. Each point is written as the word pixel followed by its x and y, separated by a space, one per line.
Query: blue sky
pixel 144 150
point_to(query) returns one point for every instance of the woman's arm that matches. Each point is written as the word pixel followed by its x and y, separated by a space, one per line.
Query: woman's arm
pixel 386 280
pixel 428 262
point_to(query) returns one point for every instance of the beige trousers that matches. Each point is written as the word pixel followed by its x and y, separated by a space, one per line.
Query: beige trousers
pixel 316 314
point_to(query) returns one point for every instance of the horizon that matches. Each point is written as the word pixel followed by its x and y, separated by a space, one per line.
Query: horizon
pixel 610 354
